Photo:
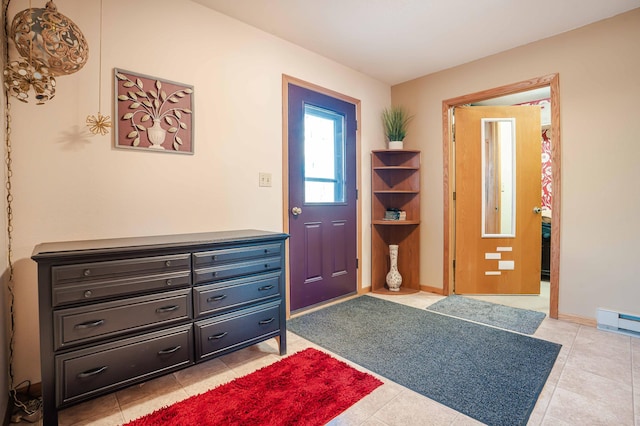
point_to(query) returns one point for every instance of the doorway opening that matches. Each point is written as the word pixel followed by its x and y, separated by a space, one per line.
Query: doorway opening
pixel 552 82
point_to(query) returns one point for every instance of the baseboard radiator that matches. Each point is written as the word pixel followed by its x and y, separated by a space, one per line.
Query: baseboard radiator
pixel 618 322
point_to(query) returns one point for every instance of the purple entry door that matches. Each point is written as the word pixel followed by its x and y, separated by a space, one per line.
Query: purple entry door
pixel 322 197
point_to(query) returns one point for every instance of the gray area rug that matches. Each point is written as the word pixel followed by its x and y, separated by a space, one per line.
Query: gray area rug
pixel 515 319
pixel 492 375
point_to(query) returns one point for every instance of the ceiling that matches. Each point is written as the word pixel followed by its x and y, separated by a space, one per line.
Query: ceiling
pixel 399 40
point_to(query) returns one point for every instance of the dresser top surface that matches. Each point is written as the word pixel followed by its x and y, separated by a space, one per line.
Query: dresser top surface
pixel 51 249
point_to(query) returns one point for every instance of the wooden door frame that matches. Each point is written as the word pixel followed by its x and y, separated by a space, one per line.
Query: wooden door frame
pixel 286 80
pixel 551 80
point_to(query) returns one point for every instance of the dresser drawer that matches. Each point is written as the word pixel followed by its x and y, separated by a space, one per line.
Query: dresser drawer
pixel 101 368
pixel 216 257
pixel 230 270
pixel 212 298
pixel 75 326
pixel 84 272
pixel 96 290
pixel 226 331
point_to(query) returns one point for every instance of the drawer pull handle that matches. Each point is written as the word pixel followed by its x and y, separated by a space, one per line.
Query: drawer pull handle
pixel 218 336
pixel 269 321
pixel 265 288
pixel 266 265
pixel 169 281
pixel 86 272
pixel 167 263
pixel 216 298
pixel 88 293
pixel 93 372
pixel 169 351
pixel 167 309
pixel 214 258
pixel 89 324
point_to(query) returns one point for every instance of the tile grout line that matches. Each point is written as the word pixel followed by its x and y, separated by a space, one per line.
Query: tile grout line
pixel 124 420
pixel 564 364
pixel 372 416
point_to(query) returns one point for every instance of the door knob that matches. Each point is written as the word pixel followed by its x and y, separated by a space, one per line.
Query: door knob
pixel 537 210
pixel 296 211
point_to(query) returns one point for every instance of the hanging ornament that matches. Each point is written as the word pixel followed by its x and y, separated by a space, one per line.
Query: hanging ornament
pixel 51 37
pixel 99 123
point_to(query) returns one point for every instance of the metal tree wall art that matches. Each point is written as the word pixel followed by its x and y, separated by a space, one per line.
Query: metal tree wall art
pixel 153 113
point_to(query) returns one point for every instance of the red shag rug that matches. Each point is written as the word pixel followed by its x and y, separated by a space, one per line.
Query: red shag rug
pixel 307 388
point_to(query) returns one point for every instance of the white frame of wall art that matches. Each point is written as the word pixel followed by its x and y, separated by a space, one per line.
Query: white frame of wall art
pixel 152 114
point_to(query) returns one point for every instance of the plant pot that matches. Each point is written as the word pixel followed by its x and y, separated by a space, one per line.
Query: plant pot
pixel 156 135
pixel 396 144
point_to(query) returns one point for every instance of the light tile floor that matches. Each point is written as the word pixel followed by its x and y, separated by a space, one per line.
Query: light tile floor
pixel 595 381
pixel 532 302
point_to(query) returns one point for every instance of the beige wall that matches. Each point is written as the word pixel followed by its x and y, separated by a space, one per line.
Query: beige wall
pixel 71 185
pixel 600 125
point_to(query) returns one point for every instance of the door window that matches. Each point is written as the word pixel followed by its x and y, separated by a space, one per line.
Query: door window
pixel 324 146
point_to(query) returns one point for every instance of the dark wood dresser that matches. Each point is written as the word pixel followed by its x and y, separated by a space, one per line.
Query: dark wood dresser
pixel 121 311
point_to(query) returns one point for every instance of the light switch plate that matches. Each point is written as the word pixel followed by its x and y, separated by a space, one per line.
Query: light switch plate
pixel 264 179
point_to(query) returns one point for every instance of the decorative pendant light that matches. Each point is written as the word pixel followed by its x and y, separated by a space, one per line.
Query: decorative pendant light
pixel 51 37
pixel 99 124
pixel 20 77
pixel 24 75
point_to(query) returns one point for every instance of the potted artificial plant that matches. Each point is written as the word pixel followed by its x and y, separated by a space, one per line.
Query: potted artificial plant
pixel 395 120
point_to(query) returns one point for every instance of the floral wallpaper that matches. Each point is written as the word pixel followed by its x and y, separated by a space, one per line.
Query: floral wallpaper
pixel 545 105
